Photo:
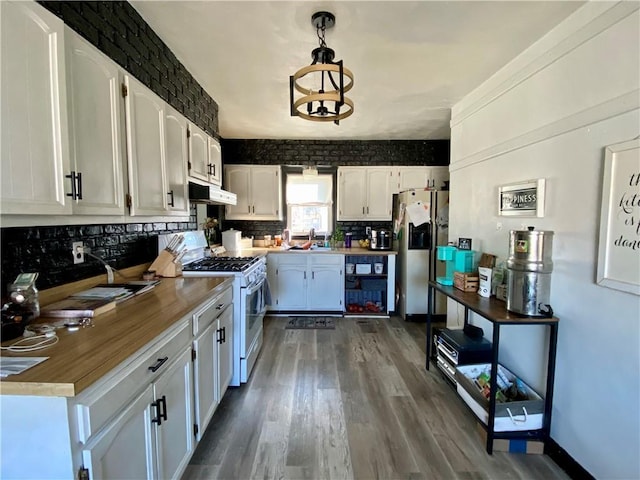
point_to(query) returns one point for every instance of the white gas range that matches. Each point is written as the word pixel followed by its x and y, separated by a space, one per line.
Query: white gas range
pixel 249 294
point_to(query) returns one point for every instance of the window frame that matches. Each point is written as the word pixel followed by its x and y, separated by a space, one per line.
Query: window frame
pixel 330 205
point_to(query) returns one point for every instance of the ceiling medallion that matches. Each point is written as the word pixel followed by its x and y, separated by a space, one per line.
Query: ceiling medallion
pixel 322 84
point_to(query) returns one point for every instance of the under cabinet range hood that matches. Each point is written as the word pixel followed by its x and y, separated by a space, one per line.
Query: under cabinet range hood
pixel 210 194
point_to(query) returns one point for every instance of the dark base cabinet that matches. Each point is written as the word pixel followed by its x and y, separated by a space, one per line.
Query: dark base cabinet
pixel 495 312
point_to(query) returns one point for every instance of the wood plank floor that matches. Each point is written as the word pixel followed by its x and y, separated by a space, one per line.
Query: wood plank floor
pixel 351 403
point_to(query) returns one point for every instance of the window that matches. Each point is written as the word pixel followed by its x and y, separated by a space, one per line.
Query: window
pixel 309 203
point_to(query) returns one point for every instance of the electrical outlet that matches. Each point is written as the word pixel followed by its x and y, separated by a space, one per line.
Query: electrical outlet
pixel 77 249
pixel 368 231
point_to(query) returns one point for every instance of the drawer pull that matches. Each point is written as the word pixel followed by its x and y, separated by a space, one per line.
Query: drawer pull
pixel 220 307
pixel 158 364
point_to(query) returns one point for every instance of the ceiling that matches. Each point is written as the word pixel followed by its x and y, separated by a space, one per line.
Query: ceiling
pixel 412 60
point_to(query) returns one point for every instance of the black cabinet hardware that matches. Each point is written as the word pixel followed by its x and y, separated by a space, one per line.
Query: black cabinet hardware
pixel 158 364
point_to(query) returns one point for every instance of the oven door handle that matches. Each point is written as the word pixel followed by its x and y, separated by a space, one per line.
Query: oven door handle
pixel 251 289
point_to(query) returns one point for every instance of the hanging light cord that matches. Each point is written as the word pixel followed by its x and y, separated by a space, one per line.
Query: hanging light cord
pixel 320 32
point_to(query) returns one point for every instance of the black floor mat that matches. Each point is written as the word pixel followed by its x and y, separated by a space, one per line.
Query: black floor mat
pixel 311 323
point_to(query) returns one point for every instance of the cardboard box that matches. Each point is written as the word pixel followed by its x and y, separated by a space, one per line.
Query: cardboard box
pixel 531 447
pixel 467 282
pixel 487 260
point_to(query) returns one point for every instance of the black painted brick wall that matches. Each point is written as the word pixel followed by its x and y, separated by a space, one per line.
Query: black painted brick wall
pixel 334 153
pixel 119 31
pixel 47 250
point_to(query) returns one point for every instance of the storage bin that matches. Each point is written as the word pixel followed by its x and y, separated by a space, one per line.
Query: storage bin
pixel 467 282
pixel 464 261
pixel 363 268
pixel 509 416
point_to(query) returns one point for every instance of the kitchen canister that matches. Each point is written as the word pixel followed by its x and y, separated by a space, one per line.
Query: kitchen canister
pixel 529 268
pixel 231 239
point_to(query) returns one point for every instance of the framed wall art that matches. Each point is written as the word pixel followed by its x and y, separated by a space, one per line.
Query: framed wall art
pixel 524 199
pixel 619 242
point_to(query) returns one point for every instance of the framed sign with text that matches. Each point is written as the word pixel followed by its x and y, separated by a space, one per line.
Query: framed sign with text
pixel 522 199
pixel 619 243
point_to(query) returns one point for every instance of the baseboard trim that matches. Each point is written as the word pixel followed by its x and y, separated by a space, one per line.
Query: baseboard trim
pixel 565 461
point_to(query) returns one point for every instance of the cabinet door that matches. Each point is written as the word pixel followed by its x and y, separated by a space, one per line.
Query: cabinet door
pixel 34 141
pixel 95 127
pixel 291 282
pixel 125 448
pixel 413 177
pixel 174 436
pixel 352 184
pixel 176 162
pixel 215 161
pixel 198 153
pixel 379 197
pixel 145 149
pixel 225 350
pixel 238 180
pixel 437 176
pixel 266 193
pixel 326 287
pixel 205 370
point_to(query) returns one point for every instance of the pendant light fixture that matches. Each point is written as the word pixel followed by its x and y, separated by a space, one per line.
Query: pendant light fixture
pixel 322 84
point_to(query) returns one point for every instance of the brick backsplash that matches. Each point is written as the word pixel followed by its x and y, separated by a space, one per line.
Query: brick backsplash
pixel 47 250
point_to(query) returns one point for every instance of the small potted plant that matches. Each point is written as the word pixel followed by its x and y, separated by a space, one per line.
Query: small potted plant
pixel 337 238
pixel 210 227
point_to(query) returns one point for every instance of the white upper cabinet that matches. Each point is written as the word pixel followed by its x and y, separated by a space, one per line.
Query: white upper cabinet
pixel 439 177
pixel 95 128
pixel 420 177
pixel 379 193
pixel 352 193
pixel 198 153
pixel 176 162
pixel 215 162
pixel 364 193
pixel 258 189
pixel 34 141
pixel 205 156
pixel 145 149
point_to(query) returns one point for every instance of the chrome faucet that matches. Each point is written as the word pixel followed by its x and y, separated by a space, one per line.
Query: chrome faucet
pixel 312 233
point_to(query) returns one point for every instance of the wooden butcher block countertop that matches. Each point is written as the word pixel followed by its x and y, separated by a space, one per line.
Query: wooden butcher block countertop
pixel 82 357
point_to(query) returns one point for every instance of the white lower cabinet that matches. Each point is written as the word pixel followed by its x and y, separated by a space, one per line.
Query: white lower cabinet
pixel 153 433
pixel 306 281
pixel 128 436
pixel 141 420
pixel 212 357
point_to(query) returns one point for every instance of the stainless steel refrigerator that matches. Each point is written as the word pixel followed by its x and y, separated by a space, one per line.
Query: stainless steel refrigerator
pixel 420 223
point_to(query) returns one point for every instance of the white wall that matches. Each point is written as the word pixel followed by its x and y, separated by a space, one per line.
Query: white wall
pixel 549 114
